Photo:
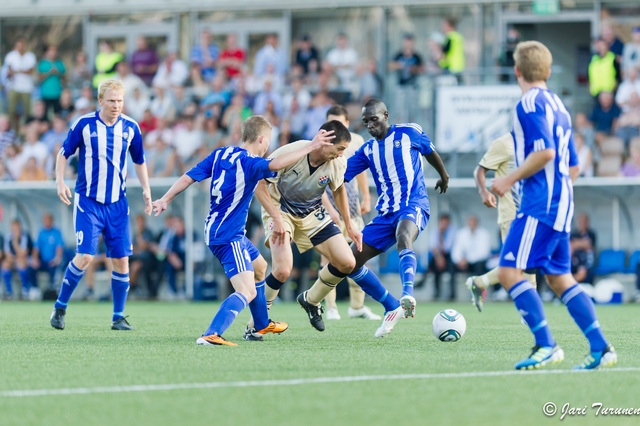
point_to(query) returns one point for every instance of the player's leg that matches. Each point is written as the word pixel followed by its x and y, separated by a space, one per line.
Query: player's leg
pixel 22 266
pixel 580 307
pixel 330 298
pixel 406 233
pixel 281 265
pixel 7 274
pixel 529 245
pixel 357 308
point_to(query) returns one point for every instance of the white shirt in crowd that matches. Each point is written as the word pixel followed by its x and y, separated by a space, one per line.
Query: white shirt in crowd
pixel 20 82
pixel 471 246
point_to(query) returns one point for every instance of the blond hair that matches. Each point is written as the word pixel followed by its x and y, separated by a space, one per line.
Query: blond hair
pixel 254 127
pixel 533 59
pixel 110 84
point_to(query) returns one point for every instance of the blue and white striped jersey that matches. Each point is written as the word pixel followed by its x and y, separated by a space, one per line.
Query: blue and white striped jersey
pixel 102 168
pixel 234 174
pixel 396 165
pixel 540 121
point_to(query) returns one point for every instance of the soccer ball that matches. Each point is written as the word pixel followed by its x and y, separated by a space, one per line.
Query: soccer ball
pixel 449 325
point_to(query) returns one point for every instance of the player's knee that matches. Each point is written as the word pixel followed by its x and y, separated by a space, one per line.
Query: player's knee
pixel 281 273
pixel 259 268
pixel 346 265
pixel 250 293
pixel 83 260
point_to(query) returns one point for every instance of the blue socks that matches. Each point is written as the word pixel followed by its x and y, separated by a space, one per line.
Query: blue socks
pixel 120 290
pixel 583 311
pixel 529 305
pixel 258 307
pixel 70 281
pixel 371 285
pixel 6 276
pixel 24 279
pixel 407 269
pixel 228 311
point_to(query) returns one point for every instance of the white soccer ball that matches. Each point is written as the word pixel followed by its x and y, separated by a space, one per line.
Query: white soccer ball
pixel 449 325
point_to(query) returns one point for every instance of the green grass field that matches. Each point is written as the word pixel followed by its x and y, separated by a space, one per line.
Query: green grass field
pixel 162 350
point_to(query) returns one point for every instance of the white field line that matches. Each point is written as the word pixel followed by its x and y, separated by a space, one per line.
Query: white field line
pixel 292 382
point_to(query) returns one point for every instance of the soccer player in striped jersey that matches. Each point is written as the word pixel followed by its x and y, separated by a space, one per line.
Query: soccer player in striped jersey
pixel 235 173
pixel 394 155
pixel 104 138
pixel 547 164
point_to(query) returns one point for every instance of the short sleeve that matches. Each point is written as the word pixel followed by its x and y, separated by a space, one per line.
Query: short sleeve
pixel 136 147
pixel 258 168
pixel 421 141
pixel 73 140
pixel 203 169
pixel 536 127
pixel 356 164
pixel 573 153
pixel 338 169
pixel 497 153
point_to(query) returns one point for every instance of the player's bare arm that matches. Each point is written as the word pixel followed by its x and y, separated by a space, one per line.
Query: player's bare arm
pixel 531 165
pixel 264 198
pixel 436 162
pixel 180 185
pixel 342 203
pixel 488 199
pixel 573 172
pixel 64 193
pixel 363 185
pixel 322 138
pixel 143 177
pixel 333 213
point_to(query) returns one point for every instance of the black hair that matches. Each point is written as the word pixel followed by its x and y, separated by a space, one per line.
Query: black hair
pixel 340 131
pixel 338 110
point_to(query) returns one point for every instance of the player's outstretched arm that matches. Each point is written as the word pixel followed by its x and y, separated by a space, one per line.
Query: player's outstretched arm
pixel 342 203
pixel 181 184
pixel 322 138
pixel 531 165
pixel 488 199
pixel 333 213
pixel 64 193
pixel 436 162
pixel 143 177
pixel 363 185
pixel 264 198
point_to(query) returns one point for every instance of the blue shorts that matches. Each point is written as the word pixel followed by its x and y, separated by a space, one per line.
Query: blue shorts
pixel 380 233
pixel 236 256
pixel 92 218
pixel 532 244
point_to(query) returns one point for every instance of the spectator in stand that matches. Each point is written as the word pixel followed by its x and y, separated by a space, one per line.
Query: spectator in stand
pixel 51 72
pixel 471 250
pixel 342 61
pixel 441 242
pixel 172 72
pixel 144 61
pixel 20 65
pixel 173 244
pixel 181 100
pixel 105 63
pixel 66 104
pixel 583 126
pixel 583 246
pixel 370 81
pixel 604 116
pixel 453 59
pixel 13 161
pixel 306 54
pixel 48 251
pixel 163 160
pixel 4 177
pixel 276 80
pixel 198 88
pixel 232 58
pixel 32 147
pixel 317 113
pixel 408 66
pixel 137 103
pixel 39 117
pixel 86 99
pixel 80 75
pixel 236 111
pixel 615 46
pixel 162 104
pixel 602 71
pixel 297 117
pixel 506 57
pixel 299 92
pixel 218 95
pixel 32 171
pixel 18 248
pixel 163 130
pixel 7 134
pixel 631 168
pixel 142 260
pixel 628 98
pixel 56 135
pixel 631 51
pixel 212 134
pixel 270 53
pixel 187 139
pixel 585 156
pixel 205 55
pixel 268 94
pixel 130 80
pixel 148 122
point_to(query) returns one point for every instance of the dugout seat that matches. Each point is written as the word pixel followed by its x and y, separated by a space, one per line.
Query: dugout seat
pixel 610 262
pixel 633 262
pixel 609 165
pixel 612 146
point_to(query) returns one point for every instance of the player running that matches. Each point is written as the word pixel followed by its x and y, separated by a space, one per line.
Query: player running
pixel 357 309
pixel 394 155
pixel 292 211
pixel 501 159
pixel 104 139
pixel 234 173
pixel 547 164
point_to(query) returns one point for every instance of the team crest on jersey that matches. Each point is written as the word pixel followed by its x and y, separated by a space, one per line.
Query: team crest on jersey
pixel 125 135
pixel 270 226
pixel 323 180
pixel 397 143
